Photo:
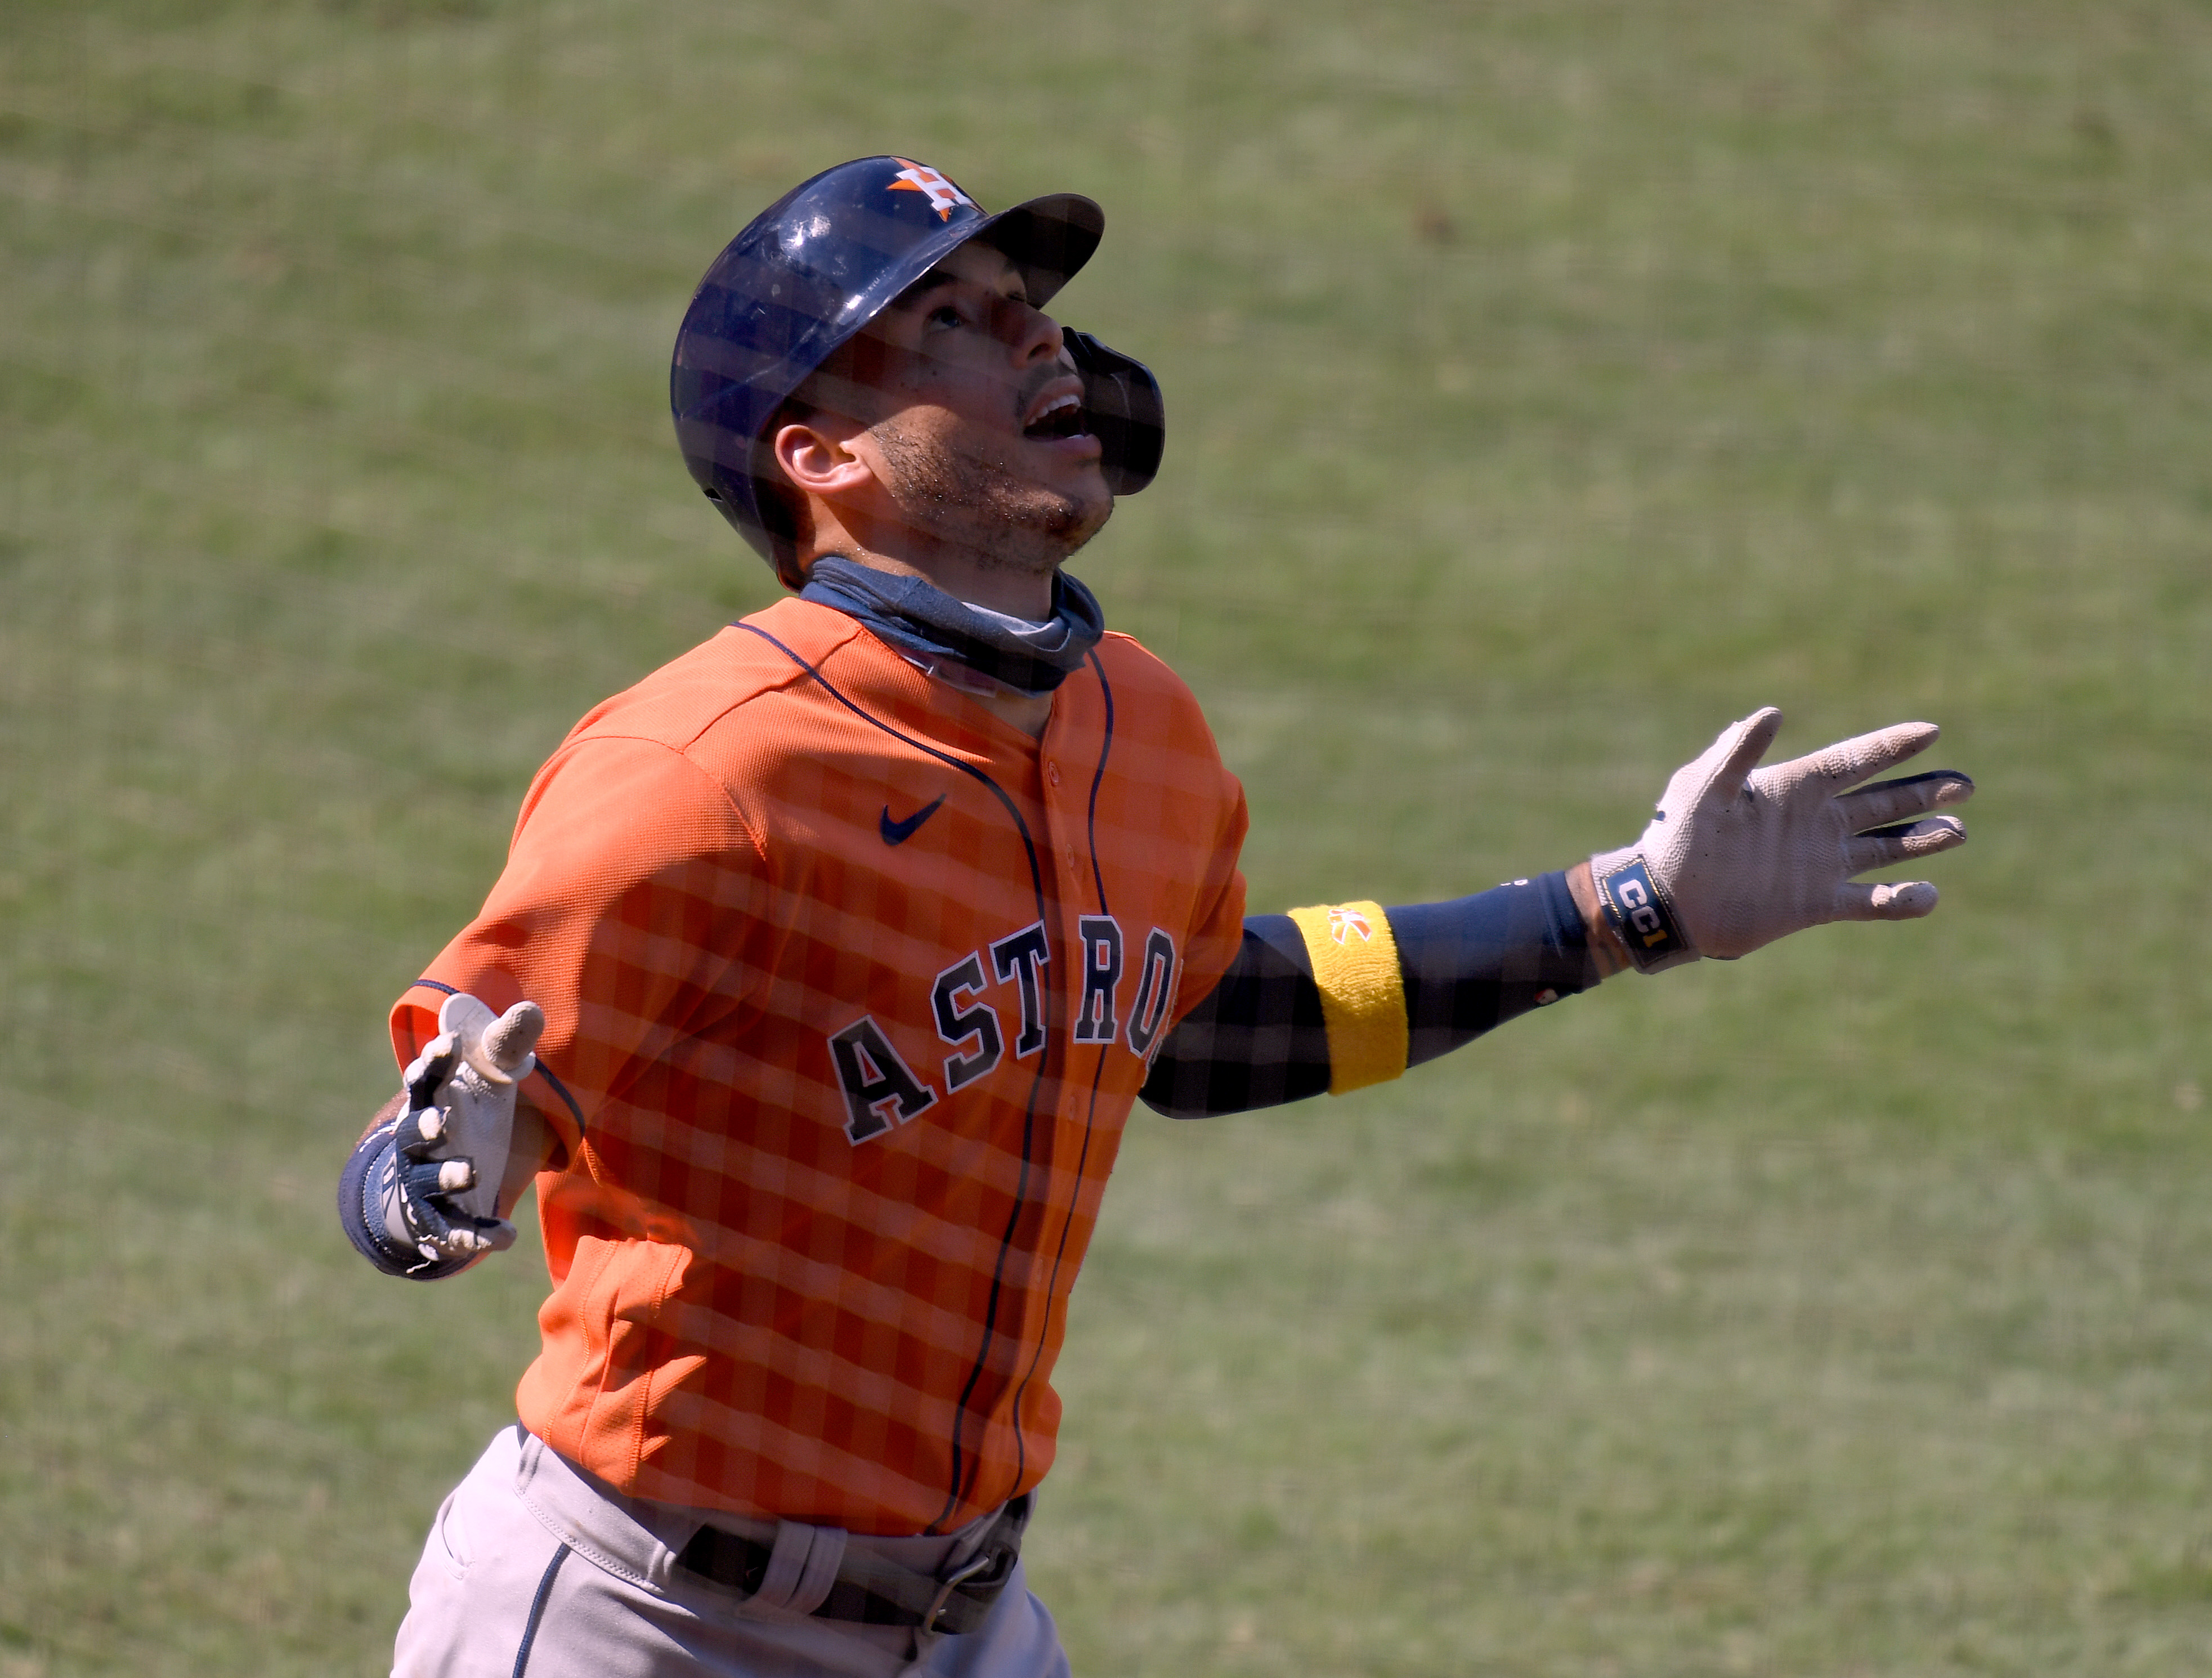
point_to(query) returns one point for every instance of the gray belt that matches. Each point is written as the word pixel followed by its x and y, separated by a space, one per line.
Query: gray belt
pixel 873 1591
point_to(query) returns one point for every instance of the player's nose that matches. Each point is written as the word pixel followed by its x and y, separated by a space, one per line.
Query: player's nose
pixel 1031 333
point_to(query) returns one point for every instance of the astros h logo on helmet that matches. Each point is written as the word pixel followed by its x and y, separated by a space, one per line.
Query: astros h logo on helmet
pixel 943 194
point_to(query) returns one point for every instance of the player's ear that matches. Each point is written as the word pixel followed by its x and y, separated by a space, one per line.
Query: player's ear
pixel 816 455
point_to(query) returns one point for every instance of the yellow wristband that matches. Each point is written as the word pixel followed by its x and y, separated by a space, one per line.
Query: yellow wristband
pixel 1363 995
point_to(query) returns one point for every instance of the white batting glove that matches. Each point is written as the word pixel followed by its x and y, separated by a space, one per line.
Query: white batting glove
pixel 1738 856
pixel 440 1188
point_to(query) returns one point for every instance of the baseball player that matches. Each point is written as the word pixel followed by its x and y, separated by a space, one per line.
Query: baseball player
pixel 829 960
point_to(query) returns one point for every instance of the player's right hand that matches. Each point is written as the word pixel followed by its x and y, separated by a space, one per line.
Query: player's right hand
pixel 422 1180
pixel 441 1182
pixel 1736 856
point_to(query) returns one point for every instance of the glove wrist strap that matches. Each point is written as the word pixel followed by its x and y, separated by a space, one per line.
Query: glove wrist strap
pixel 1640 914
pixel 360 1213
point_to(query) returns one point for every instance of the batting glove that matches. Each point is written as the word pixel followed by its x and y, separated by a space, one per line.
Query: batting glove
pixel 1737 856
pixel 439 1185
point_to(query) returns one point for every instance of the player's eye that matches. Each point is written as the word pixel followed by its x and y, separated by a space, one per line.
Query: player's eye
pixel 944 315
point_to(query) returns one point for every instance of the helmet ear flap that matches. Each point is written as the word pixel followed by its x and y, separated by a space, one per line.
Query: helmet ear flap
pixel 1123 406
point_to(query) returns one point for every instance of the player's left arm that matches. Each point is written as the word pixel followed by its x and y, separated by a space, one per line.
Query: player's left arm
pixel 1337 997
pixel 1333 999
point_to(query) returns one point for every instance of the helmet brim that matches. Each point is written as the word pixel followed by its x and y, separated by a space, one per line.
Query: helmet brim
pixel 1048 239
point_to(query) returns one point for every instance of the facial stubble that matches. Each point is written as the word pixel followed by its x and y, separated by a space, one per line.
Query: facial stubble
pixel 969 501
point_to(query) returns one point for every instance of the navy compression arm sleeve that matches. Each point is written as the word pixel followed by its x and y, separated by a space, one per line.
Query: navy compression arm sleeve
pixel 1261 1037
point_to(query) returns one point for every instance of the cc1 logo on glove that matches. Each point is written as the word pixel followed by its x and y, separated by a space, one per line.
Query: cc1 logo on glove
pixel 1736 856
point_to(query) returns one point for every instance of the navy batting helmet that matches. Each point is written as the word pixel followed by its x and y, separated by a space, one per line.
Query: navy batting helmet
pixel 818 264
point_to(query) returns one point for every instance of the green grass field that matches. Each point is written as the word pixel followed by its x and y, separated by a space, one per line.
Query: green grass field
pixel 1550 382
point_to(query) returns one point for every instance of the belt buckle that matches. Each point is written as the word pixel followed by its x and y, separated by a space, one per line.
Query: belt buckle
pixel 982 1561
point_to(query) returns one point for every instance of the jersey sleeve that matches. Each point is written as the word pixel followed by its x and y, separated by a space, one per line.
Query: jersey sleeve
pixel 629 910
pixel 1217 931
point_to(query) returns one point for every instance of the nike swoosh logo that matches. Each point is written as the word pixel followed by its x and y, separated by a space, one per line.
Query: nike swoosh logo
pixel 897 833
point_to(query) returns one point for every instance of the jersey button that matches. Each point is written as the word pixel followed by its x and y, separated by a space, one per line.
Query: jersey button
pixel 1052 773
pixel 1071 859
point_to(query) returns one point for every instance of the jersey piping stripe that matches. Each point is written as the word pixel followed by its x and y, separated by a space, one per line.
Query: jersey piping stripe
pixel 560 1089
pixel 960 1471
pixel 1098 779
pixel 1098 1075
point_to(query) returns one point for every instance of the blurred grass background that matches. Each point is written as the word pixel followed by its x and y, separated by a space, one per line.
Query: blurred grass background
pixel 1551 381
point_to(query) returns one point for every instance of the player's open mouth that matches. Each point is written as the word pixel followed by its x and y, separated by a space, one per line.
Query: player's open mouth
pixel 1062 418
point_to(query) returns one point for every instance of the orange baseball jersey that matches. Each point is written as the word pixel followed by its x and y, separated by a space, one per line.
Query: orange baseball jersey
pixel 852 985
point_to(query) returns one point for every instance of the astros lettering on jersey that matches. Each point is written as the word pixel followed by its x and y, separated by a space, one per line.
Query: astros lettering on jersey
pixel 853 988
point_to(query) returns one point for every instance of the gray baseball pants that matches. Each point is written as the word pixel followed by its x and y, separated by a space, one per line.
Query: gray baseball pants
pixel 536 1569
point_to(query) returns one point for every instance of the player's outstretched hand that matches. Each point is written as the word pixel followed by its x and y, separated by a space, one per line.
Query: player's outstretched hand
pixel 1737 856
pixel 441 1182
